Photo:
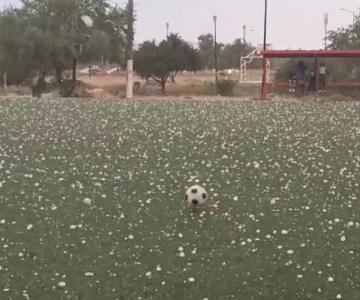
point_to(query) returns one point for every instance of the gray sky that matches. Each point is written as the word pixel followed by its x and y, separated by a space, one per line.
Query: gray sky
pixel 292 23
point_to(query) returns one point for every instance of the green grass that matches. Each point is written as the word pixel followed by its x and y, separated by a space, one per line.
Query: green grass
pixel 293 166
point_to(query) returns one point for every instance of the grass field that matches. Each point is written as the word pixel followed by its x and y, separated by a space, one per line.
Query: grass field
pixel 285 178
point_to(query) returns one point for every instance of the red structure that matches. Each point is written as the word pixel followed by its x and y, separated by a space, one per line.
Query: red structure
pixel 316 54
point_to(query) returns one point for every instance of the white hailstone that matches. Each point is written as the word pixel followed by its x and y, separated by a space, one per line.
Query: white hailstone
pixel 89 274
pixel 191 279
pixel 21 254
pixel 284 232
pixel 180 248
pixel 130 237
pixel 236 198
pixel 300 276
pixel 273 201
pixel 73 226
pixel 87 201
pixel 158 268
pixel 148 274
pixel 290 252
pixel 2 221
pixel 87 21
pixel 256 165
pixel 30 226
pixel 343 238
pixel 337 220
pixel 331 279
pixel 182 254
pixel 338 296
pixel 180 235
pixel 61 284
pixel 351 223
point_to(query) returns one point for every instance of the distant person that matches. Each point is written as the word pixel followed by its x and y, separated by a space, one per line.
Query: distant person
pixel 322 77
pixel 301 77
pixel 292 83
pixel 312 82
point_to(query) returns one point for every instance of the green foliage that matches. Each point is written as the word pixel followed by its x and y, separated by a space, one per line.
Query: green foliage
pixel 48 36
pixel 11 28
pixel 226 87
pixel 164 61
pixel 228 54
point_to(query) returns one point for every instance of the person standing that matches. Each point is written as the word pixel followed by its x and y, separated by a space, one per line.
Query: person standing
pixel 301 77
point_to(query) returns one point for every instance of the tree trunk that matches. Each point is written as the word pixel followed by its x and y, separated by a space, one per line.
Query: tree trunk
pixel 163 85
pixel 58 74
pixel 42 74
pixel 172 77
pixel 39 87
pixel 74 65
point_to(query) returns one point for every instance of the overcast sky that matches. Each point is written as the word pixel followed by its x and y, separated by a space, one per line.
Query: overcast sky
pixel 292 23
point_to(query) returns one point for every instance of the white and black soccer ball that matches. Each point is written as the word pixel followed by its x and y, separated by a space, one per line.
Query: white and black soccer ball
pixel 196 196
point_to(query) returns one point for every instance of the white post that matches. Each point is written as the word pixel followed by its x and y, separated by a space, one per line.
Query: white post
pixel 129 80
pixel 5 81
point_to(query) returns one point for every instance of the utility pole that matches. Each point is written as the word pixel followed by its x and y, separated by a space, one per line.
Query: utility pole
pixel 215 54
pixel 264 79
pixel 129 51
pixel 167 29
pixel 326 23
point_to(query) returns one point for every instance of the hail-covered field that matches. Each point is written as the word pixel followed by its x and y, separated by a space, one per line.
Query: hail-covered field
pixel 92 200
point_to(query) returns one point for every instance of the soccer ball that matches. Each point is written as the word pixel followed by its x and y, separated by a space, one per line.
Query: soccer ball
pixel 196 196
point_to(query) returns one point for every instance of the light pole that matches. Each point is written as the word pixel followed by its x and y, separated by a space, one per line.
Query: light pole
pixel 215 54
pixel 263 85
pixel 244 38
pixel 167 29
pixel 350 12
pixel 244 42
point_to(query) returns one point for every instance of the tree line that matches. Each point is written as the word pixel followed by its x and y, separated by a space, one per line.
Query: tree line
pixel 48 37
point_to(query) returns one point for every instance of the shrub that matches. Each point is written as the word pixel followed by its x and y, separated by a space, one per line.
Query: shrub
pixel 226 87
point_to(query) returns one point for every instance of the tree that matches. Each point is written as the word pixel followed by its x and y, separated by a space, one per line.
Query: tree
pixel 115 25
pixel 228 54
pixel 162 61
pixel 206 50
pixel 35 52
pixel 12 26
pixel 184 56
